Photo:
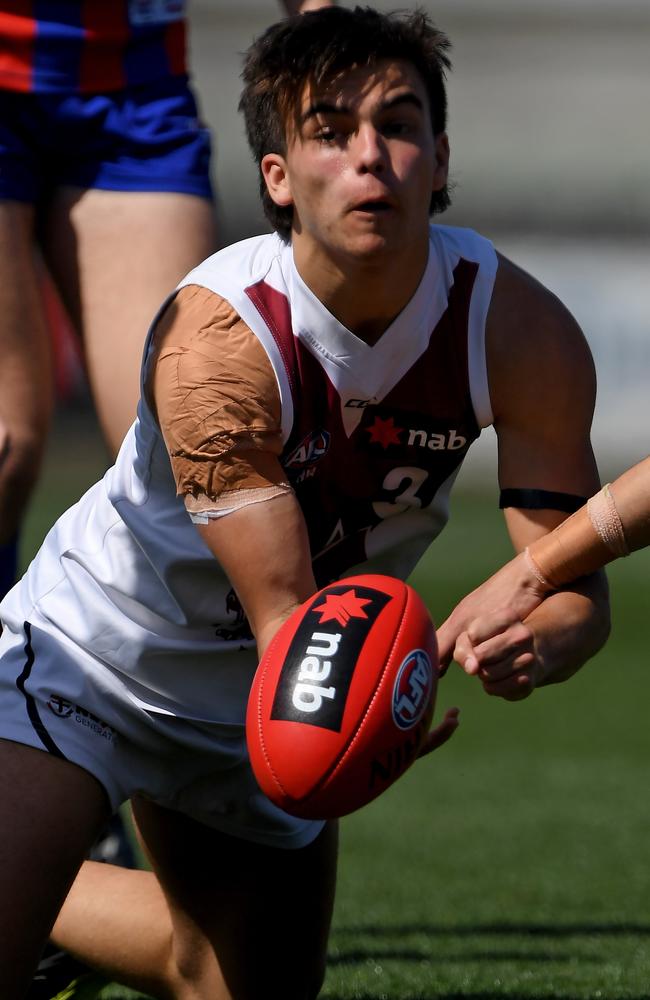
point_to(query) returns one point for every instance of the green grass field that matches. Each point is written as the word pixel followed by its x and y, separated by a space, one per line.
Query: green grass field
pixel 516 861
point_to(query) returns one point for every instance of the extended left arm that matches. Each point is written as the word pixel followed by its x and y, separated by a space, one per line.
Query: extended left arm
pixel 512 653
pixel 542 388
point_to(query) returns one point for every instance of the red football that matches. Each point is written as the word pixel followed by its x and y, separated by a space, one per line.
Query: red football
pixel 343 697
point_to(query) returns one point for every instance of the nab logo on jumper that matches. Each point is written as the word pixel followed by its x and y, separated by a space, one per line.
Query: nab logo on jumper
pixel 393 420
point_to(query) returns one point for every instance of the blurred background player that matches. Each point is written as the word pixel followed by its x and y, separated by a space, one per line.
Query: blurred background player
pixel 613 523
pixel 310 394
pixel 104 175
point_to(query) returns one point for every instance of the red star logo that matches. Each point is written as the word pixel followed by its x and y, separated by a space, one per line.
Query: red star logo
pixel 384 432
pixel 342 607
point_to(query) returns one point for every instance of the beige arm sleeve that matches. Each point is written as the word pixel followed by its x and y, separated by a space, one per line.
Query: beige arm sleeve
pixel 216 399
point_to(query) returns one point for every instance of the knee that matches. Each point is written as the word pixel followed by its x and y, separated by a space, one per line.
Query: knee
pixel 201 976
pixel 291 982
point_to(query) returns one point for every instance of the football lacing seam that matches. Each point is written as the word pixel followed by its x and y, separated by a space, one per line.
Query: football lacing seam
pixel 357 735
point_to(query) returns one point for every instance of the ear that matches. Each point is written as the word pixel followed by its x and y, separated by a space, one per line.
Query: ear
pixel 274 172
pixel 441 167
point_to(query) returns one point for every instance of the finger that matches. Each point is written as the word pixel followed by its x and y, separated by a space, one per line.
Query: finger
pixel 491 638
pixel 443 732
pixel 446 638
pixel 508 667
pixel 480 624
pixel 514 688
pixel 485 627
pixel 465 655
pixel 512 642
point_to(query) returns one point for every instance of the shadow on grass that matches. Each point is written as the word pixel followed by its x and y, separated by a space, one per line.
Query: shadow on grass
pixel 383 944
pixel 483 930
pixel 481 995
pixel 379 949
pixel 359 956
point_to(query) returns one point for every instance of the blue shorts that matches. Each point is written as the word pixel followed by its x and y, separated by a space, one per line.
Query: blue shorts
pixel 146 138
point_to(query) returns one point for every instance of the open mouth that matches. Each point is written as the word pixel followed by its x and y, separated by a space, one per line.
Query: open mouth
pixel 373 206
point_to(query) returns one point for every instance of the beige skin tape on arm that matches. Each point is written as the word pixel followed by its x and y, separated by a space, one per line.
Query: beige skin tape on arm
pixel 203 509
pixel 585 542
pixel 217 402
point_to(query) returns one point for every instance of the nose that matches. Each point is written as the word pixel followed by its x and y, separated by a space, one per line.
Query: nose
pixel 370 150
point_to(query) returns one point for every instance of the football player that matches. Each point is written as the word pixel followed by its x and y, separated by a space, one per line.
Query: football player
pixel 308 397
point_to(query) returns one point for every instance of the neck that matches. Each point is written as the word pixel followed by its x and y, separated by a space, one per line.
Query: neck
pixel 365 295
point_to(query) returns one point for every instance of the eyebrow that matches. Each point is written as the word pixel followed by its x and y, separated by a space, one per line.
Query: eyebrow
pixel 328 108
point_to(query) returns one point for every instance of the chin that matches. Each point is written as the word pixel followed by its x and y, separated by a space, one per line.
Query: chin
pixel 372 247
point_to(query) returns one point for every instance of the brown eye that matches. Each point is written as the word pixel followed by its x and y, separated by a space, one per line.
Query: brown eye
pixel 399 127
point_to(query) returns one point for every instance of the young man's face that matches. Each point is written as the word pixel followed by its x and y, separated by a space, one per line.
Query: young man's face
pixel 360 170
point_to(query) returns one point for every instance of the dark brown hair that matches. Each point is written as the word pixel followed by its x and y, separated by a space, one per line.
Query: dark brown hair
pixel 315 47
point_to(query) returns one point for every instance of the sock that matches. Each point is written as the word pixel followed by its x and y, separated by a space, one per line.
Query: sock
pixel 8 565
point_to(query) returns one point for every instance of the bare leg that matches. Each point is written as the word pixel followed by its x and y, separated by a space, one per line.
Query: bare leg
pixel 115 256
pixel 26 385
pixel 51 812
pixel 232 921
pixel 102 920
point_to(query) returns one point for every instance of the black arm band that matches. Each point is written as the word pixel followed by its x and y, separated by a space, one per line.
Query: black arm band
pixel 541 500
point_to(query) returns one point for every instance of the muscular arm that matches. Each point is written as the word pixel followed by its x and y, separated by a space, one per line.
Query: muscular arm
pixel 575 548
pixel 217 403
pixel 264 550
pixel 542 387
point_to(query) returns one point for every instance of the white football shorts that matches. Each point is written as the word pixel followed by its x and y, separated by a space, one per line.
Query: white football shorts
pixel 58 698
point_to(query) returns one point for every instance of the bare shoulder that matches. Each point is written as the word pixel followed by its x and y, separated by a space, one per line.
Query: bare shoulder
pixel 536 351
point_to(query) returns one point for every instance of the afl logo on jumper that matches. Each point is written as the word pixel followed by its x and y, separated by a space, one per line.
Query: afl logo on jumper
pixel 312 447
pixel 318 668
pixel 412 689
